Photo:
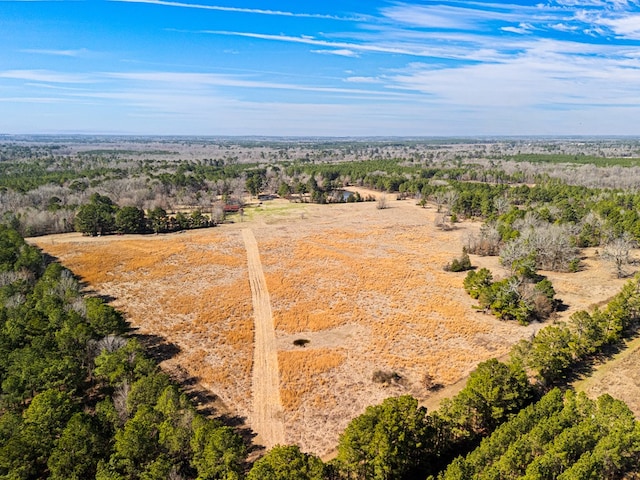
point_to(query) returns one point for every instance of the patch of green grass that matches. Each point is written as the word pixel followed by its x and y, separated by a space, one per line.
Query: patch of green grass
pixel 271 209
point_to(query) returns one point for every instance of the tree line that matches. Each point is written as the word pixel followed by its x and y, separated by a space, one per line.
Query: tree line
pixel 101 216
pixel 585 439
pixel 43 188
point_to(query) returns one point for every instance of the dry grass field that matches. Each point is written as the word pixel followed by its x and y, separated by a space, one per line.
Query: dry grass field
pixel 364 286
pixel 619 377
pixel 189 289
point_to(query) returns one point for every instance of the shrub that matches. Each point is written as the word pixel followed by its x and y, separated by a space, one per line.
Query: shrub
pixel 513 298
pixel 461 264
pixel 476 281
pixel 382 203
pixel 388 378
pixel 429 382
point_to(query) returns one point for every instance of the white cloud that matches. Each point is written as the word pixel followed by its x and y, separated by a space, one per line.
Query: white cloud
pixel 615 4
pixel 547 75
pixel 312 41
pixel 444 16
pixel 626 26
pixel 458 46
pixel 428 17
pixel 31 100
pixel 46 76
pixel 563 27
pixel 523 28
pixel 219 8
pixel 467 17
pixel 342 52
pixel 60 53
pixel 185 81
pixel 356 79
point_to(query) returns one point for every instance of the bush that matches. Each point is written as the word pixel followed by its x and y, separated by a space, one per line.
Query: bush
pixel 513 298
pixel 387 378
pixel 382 203
pixel 461 264
pixel 476 281
pixel 429 382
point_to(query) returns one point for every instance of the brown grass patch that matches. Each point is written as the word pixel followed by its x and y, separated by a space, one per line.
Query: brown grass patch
pixel 191 289
pixel 301 373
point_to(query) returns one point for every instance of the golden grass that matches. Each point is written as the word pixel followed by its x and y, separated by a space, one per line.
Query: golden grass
pixel 193 290
pixel 379 272
pixel 301 374
pixel 390 282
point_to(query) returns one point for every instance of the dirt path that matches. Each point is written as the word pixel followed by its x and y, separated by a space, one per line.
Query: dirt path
pixel 267 407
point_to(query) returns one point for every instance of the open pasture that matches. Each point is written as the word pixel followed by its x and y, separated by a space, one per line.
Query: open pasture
pixel 365 287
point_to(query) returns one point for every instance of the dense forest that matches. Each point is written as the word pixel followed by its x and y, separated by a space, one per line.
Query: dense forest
pixel 82 398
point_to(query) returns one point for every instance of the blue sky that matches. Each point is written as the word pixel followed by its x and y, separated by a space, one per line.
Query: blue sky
pixel 326 68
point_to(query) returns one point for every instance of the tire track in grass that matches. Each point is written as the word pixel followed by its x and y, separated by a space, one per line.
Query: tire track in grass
pixel 267 406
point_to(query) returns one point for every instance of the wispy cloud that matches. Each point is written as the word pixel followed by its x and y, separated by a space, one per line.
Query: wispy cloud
pixel 60 53
pixel 563 27
pixel 422 45
pixel 184 80
pixel 307 40
pixel 594 18
pixel 615 4
pixel 627 26
pixel 523 28
pixel 543 76
pixel 461 16
pixel 257 11
pixel 437 16
pixel 43 100
pixel 342 52
pixel 46 76
pixel 362 80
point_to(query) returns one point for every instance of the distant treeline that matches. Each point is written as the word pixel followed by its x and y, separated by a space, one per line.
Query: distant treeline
pixel 44 186
pixel 101 217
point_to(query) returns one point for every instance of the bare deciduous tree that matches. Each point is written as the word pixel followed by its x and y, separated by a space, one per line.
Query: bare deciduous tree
pixel 439 198
pixel 554 249
pixel 514 254
pixel 442 222
pixel 617 251
pixel 450 198
pixel 531 221
pixel 548 245
pixel 382 202
pixel 487 242
pixel 120 396
pixel 501 204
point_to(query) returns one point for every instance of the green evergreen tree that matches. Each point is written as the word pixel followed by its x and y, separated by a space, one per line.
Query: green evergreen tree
pixel 390 440
pixel 287 463
pixel 97 217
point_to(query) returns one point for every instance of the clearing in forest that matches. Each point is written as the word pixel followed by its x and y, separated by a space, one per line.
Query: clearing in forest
pixel 362 289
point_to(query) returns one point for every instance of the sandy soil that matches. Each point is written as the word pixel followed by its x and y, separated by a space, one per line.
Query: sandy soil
pixel 365 286
pixel 265 388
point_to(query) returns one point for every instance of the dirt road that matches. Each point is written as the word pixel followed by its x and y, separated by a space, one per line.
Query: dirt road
pixel 267 407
